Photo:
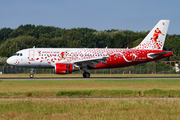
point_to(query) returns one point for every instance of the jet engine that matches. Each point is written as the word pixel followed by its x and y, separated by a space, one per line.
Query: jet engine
pixel 64 68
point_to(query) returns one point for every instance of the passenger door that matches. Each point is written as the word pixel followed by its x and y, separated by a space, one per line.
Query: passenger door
pixel 31 55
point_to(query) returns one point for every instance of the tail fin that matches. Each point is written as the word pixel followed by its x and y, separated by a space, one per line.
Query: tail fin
pixel 154 40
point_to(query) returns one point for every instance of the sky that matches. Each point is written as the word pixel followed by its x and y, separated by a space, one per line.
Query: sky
pixel 135 15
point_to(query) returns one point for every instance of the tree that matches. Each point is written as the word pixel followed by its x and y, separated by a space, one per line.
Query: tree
pixel 58 42
pixel 137 42
pixel 12 45
pixel 119 40
pixel 4 33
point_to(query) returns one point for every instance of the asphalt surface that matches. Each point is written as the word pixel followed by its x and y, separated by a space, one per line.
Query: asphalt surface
pixel 92 78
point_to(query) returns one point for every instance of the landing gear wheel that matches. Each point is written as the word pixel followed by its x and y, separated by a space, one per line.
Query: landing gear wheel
pixel 86 75
pixel 31 75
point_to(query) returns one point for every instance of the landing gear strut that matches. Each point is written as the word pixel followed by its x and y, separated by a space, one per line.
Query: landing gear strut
pixel 32 73
pixel 86 74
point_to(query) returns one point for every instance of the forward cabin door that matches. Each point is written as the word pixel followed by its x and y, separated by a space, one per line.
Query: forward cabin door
pixel 31 55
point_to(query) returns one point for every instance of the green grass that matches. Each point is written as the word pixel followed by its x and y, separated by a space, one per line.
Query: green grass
pixel 120 93
pixel 91 109
pixel 90 88
pixel 94 94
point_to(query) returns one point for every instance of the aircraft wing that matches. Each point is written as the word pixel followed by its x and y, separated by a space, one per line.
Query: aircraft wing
pixel 91 62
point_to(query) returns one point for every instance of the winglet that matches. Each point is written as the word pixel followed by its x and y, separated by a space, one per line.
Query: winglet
pixel 156 38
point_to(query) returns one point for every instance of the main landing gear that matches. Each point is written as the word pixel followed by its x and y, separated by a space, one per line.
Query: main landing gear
pixel 86 74
pixel 32 73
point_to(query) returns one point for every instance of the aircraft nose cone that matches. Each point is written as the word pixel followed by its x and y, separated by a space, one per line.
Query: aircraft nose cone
pixel 9 61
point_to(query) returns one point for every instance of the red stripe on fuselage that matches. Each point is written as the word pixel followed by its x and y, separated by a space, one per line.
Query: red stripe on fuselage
pixel 131 57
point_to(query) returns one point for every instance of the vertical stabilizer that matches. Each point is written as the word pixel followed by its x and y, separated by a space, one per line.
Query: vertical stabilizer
pixel 156 38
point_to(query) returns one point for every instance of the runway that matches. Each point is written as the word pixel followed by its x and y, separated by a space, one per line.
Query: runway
pixel 92 78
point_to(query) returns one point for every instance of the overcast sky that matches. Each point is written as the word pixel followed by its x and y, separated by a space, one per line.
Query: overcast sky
pixel 136 15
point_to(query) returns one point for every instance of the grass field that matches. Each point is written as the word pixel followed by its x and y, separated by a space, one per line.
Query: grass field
pixel 90 109
pixel 145 109
pixel 92 75
pixel 90 88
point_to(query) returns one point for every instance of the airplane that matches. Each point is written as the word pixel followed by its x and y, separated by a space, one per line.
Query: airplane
pixel 67 60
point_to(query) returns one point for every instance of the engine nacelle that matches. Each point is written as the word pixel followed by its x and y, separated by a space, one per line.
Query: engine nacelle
pixel 64 68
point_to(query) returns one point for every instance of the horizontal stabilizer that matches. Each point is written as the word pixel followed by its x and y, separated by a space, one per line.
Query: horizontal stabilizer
pixel 153 55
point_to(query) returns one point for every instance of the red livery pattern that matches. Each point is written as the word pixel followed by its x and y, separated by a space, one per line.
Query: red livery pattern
pixel 67 60
pixel 115 57
pixel 152 44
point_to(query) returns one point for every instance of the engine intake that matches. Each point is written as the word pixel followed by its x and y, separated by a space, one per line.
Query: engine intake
pixel 64 68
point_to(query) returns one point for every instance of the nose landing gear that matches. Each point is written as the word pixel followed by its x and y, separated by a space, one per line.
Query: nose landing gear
pixel 32 73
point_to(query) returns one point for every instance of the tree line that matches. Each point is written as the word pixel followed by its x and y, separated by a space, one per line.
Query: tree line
pixel 27 36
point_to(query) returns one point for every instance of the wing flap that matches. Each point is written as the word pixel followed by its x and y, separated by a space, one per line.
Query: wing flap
pixel 91 62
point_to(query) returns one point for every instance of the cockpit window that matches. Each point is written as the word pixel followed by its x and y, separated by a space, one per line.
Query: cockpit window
pixel 18 54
